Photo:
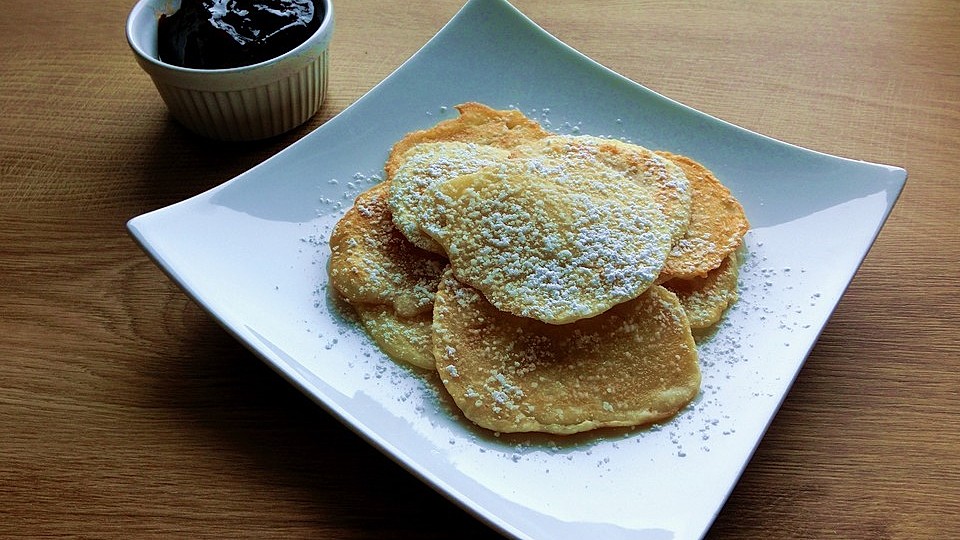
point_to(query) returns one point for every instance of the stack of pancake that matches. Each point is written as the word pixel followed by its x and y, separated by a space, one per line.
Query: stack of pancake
pixel 554 282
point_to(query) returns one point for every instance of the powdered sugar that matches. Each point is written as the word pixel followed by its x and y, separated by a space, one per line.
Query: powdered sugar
pixel 553 233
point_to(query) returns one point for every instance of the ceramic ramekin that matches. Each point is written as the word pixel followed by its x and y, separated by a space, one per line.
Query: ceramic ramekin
pixel 236 104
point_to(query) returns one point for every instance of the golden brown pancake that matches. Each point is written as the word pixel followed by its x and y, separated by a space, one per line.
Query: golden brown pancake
pixel 477 124
pixel 557 235
pixel 404 339
pixel 371 262
pixel 717 224
pixel 632 365
pixel 704 299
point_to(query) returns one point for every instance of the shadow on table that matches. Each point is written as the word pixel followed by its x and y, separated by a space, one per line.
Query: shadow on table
pixel 286 452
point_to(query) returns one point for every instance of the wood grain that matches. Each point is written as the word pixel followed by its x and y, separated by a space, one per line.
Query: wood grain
pixel 126 411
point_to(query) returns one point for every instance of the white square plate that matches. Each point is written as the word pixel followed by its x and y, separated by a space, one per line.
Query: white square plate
pixel 253 253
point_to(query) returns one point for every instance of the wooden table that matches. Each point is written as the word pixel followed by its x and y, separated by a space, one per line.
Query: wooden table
pixel 126 411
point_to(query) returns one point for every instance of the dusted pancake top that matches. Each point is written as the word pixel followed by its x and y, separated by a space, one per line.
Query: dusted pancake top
pixel 428 164
pixel 557 233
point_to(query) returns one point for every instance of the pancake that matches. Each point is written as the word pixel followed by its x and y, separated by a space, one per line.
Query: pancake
pixel 672 188
pixel 371 262
pixel 717 224
pixel 425 165
pixel 405 339
pixel 557 235
pixel 704 299
pixel 476 124
pixel 634 364
pixel 554 282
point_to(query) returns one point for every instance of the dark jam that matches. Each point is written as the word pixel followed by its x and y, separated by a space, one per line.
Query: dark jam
pixel 220 34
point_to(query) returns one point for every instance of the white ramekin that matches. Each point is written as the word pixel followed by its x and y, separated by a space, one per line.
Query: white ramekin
pixel 236 104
